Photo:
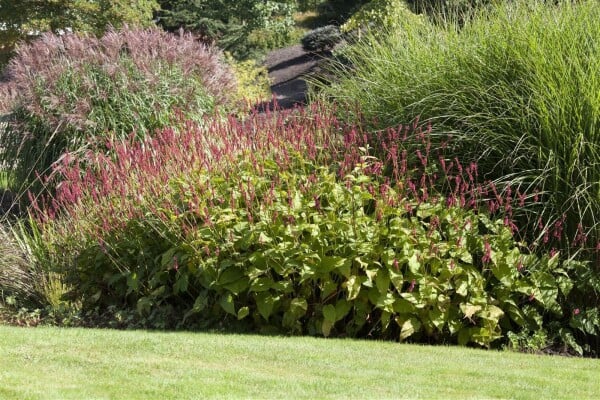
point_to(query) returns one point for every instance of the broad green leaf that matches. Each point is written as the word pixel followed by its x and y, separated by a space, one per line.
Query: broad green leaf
pixel 565 284
pixel 553 261
pixel 263 238
pixel 385 320
pixel 342 308
pixel 504 272
pixel 464 336
pixel 353 286
pixel 484 336
pixel 546 290
pixel 397 280
pixel 371 273
pixel 200 302
pixel 265 302
pixel 328 287
pixel 243 313
pixel 567 337
pixel 346 269
pixel 437 318
pixel 329 313
pixel 469 309
pixel 261 285
pixel 238 286
pixel 462 287
pixel 465 256
pixel 230 275
pixel 283 287
pixel 403 306
pixel 386 302
pixel 298 307
pixel 326 327
pixel 409 327
pixel 413 263
pixel 382 281
pixel 167 257
pixel 415 299
pixel 181 284
pixel 328 264
pixel 491 313
pixel 226 302
pixel 144 305
pixel 454 321
pixel 515 313
pixel 133 283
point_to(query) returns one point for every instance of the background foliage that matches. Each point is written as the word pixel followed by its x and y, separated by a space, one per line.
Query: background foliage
pixel 23 19
pixel 70 92
pixel 229 23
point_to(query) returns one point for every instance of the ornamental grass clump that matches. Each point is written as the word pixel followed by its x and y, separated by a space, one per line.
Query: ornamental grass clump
pixel 70 92
pixel 294 222
pixel 517 86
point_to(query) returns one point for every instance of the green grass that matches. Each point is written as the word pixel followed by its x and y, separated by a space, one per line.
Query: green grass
pixel 50 363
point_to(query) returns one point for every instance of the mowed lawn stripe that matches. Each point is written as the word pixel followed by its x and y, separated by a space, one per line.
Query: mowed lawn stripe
pixel 53 363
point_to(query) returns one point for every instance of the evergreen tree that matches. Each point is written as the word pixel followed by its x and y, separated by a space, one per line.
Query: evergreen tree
pixel 227 22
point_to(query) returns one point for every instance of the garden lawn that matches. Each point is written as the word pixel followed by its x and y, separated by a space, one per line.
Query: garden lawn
pixel 51 363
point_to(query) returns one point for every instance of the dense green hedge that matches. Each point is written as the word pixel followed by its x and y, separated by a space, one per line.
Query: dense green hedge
pixel 293 223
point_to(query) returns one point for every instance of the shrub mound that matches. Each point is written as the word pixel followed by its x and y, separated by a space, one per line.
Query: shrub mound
pixel 71 91
pixel 321 39
pixel 292 222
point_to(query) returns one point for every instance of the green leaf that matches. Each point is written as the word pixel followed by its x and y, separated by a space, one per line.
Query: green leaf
pixel 329 313
pixel 403 306
pixel 201 302
pixel 553 261
pixel 483 336
pixel 261 285
pixel 382 281
pixel 243 313
pixel 386 302
pixel 328 287
pixel 504 272
pixel 545 290
pixel 462 287
pixel 342 308
pixel 144 305
pixel 464 336
pixel 226 302
pixel 568 338
pixel 298 307
pixel 371 273
pixel 469 309
pixel 385 320
pixel 230 275
pixel 397 280
pixel 515 313
pixel 181 284
pixel 167 257
pixel 565 284
pixel 133 283
pixel 238 286
pixel 353 286
pixel 409 327
pixel 326 327
pixel 265 302
pixel 491 313
pixel 328 264
pixel 437 318
pixel 413 264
